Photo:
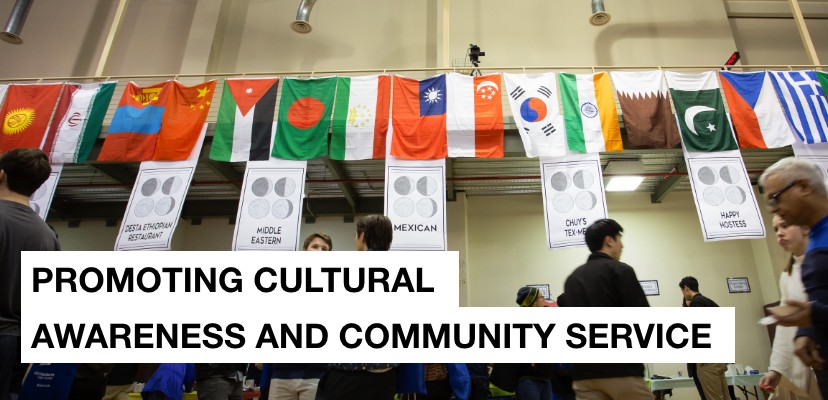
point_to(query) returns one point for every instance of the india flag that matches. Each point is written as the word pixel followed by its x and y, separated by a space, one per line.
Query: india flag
pixel 77 121
pixel 589 113
pixel 474 116
pixel 360 117
pixel 244 127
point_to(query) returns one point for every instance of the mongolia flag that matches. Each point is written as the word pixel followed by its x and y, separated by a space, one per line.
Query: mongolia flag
pixel 26 114
pixel 419 118
pixel 136 123
pixel 187 108
pixel 805 103
pixel 757 116
pixel 77 121
pixel 360 117
pixel 589 113
pixel 474 122
pixel 245 120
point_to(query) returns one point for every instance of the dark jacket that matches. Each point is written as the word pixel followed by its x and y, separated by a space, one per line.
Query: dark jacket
pixel 815 280
pixel 604 282
pixel 702 301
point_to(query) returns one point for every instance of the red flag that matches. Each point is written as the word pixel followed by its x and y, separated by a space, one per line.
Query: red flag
pixel 186 112
pixel 26 115
pixel 137 121
pixel 419 118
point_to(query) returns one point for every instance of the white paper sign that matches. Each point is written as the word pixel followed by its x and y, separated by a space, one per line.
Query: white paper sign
pixel 41 199
pixel 573 197
pixel 415 201
pixel 724 197
pixel 155 203
pixel 270 209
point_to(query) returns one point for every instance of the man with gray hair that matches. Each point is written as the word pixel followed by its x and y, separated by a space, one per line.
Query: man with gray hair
pixel 795 190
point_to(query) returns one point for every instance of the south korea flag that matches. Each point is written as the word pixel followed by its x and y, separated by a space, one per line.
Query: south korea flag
pixel 534 103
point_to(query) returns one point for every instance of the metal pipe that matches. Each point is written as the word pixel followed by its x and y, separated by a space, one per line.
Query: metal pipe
pixel 599 15
pixel 302 22
pixel 11 33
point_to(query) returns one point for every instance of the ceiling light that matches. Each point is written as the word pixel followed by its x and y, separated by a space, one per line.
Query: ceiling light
pixel 624 183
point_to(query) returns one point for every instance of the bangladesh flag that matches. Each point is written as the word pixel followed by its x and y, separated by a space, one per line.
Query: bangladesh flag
pixel 700 112
pixel 823 80
pixel 245 120
pixel 304 118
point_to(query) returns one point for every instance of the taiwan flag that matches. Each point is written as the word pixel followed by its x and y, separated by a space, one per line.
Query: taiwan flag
pixel 136 123
pixel 26 115
pixel 419 118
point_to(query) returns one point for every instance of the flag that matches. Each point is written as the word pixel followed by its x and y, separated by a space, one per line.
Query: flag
pixel 77 121
pixel 136 123
pixel 360 117
pixel 3 90
pixel 184 118
pixel 700 112
pixel 245 120
pixel 646 110
pixel 474 116
pixel 821 76
pixel 758 117
pixel 589 113
pixel 534 103
pixel 804 101
pixel 419 118
pixel 26 114
pixel 304 118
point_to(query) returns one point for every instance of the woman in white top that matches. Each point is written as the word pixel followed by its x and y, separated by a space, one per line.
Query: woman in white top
pixel 783 361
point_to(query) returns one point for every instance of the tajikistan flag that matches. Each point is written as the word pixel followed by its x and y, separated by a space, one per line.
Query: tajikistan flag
pixel 589 113
pixel 77 121
pixel 245 120
pixel 360 117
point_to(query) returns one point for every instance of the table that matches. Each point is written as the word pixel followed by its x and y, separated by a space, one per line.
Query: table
pixel 742 382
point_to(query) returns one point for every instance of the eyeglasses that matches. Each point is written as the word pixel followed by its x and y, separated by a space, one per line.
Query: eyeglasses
pixel 773 199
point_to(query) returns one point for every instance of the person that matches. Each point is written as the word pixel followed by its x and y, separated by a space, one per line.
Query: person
pixel 119 381
pixel 219 381
pixel 711 376
pixel 22 172
pixel 794 239
pixel 363 381
pixel 294 381
pixel 433 382
pixel 795 190
pixel 90 382
pixel 604 281
pixel 531 297
pixel 169 382
pixel 534 381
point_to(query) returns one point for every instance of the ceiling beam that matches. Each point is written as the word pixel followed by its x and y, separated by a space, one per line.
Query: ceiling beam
pixel 668 184
pixel 337 172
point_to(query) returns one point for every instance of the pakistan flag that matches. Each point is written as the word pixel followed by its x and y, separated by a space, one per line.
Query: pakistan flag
pixel 700 112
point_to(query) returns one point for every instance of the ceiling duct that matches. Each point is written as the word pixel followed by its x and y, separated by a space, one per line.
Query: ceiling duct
pixel 599 16
pixel 17 18
pixel 302 23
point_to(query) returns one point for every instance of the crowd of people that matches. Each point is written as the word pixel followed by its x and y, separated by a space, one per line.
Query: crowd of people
pixel 795 192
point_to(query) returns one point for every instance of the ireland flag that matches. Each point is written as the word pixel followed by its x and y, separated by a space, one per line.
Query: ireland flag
pixel 589 113
pixel 360 117
pixel 700 112
pixel 304 118
pixel 245 120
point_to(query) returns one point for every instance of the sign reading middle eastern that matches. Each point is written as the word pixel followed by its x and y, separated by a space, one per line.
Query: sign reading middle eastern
pixel 270 208
pixel 415 201
pixel 41 199
pixel 573 197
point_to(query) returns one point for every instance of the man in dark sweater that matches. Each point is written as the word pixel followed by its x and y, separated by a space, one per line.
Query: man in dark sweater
pixel 795 190
pixel 709 377
pixel 604 281
pixel 22 171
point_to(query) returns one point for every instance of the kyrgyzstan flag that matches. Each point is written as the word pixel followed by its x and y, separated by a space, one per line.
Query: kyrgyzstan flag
pixel 136 123
pixel 26 115
pixel 474 122
pixel 758 118
pixel 186 112
pixel 360 117
pixel 419 118
pixel 77 121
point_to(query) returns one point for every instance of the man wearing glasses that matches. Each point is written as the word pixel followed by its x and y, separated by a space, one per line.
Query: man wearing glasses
pixel 795 190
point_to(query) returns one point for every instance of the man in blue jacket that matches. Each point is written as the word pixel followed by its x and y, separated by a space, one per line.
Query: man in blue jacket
pixel 795 190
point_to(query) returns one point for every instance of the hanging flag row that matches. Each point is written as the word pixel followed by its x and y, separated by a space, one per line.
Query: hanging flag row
pixel 449 115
